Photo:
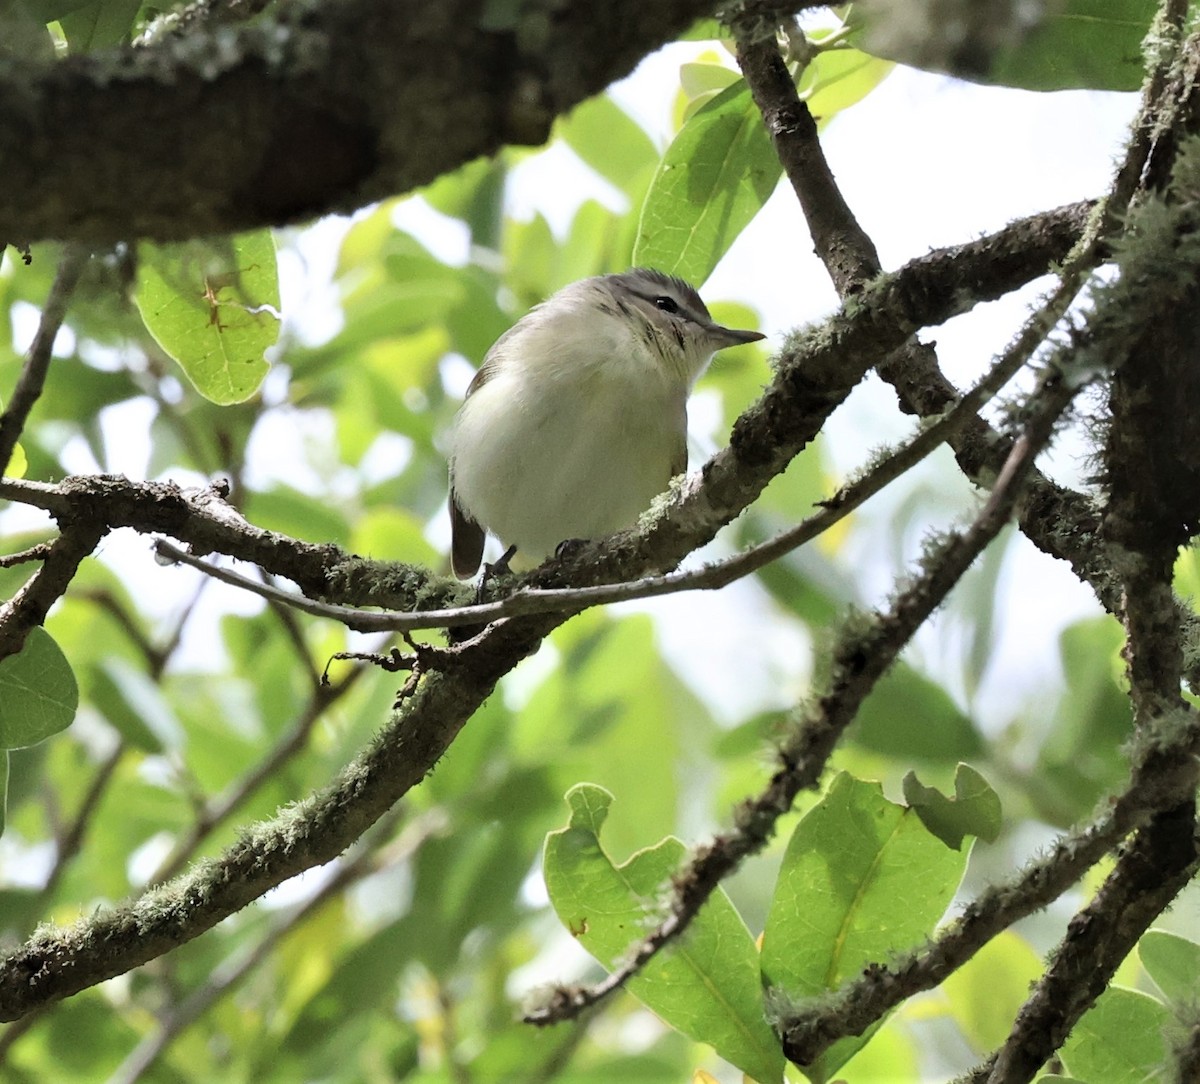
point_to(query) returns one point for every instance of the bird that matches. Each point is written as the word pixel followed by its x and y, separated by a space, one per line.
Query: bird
pixel 577 418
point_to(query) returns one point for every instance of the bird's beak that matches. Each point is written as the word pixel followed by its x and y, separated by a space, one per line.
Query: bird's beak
pixel 728 336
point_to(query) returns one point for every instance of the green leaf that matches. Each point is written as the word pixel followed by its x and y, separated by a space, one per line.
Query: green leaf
pixel 616 713
pixel 23 30
pixel 3 791
pixel 714 178
pixel 1080 759
pixel 44 11
pixel 1173 962
pixel 392 534
pixel 135 706
pixel 38 693
pixel 861 880
pixel 17 463
pixel 705 984
pixel 973 811
pixel 838 79
pixel 700 81
pixel 1087 43
pixel 609 140
pixel 99 24
pixel 1093 44
pixel 213 306
pixel 909 716
pixel 1119 1040
pixel 985 994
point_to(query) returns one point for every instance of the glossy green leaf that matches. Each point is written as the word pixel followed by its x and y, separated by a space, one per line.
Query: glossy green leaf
pixel 908 716
pixel 1119 1040
pixel 38 693
pixel 973 811
pixel 705 983
pixel 1173 962
pixel 861 880
pixel 714 178
pixel 213 306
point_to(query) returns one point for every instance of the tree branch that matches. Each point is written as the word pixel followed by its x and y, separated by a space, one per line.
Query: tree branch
pixel 322 106
pixel 860 657
pixel 58 962
pixel 33 373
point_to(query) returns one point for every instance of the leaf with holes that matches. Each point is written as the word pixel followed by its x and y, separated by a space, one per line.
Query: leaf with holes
pixel 213 306
pixel 705 983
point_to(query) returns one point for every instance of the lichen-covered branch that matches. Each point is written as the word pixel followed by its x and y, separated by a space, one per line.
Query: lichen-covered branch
pixel 313 107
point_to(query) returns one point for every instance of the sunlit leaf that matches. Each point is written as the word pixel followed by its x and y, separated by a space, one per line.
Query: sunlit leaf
pixel 838 79
pixel 17 463
pixel 710 184
pixel 213 306
pixel 861 880
pixel 985 995
pixel 706 982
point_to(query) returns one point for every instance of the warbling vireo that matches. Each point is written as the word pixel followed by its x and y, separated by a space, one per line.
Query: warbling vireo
pixel 577 418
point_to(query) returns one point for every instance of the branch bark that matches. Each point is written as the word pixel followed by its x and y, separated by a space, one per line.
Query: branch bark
pixel 323 107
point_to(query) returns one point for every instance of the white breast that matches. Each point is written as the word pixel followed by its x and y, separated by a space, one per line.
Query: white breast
pixel 574 446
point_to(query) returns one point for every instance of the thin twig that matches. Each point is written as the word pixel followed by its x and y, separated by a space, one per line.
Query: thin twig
pixel 33 553
pixel 37 362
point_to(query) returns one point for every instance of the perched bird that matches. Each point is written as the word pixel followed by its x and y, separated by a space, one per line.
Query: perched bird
pixel 577 418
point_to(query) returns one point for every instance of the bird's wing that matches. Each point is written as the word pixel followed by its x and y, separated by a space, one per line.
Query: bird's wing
pixel 466 540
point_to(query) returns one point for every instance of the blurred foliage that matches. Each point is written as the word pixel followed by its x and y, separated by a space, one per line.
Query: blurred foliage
pixel 196 716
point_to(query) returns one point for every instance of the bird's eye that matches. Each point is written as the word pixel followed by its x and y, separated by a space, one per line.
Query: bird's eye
pixel 667 304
